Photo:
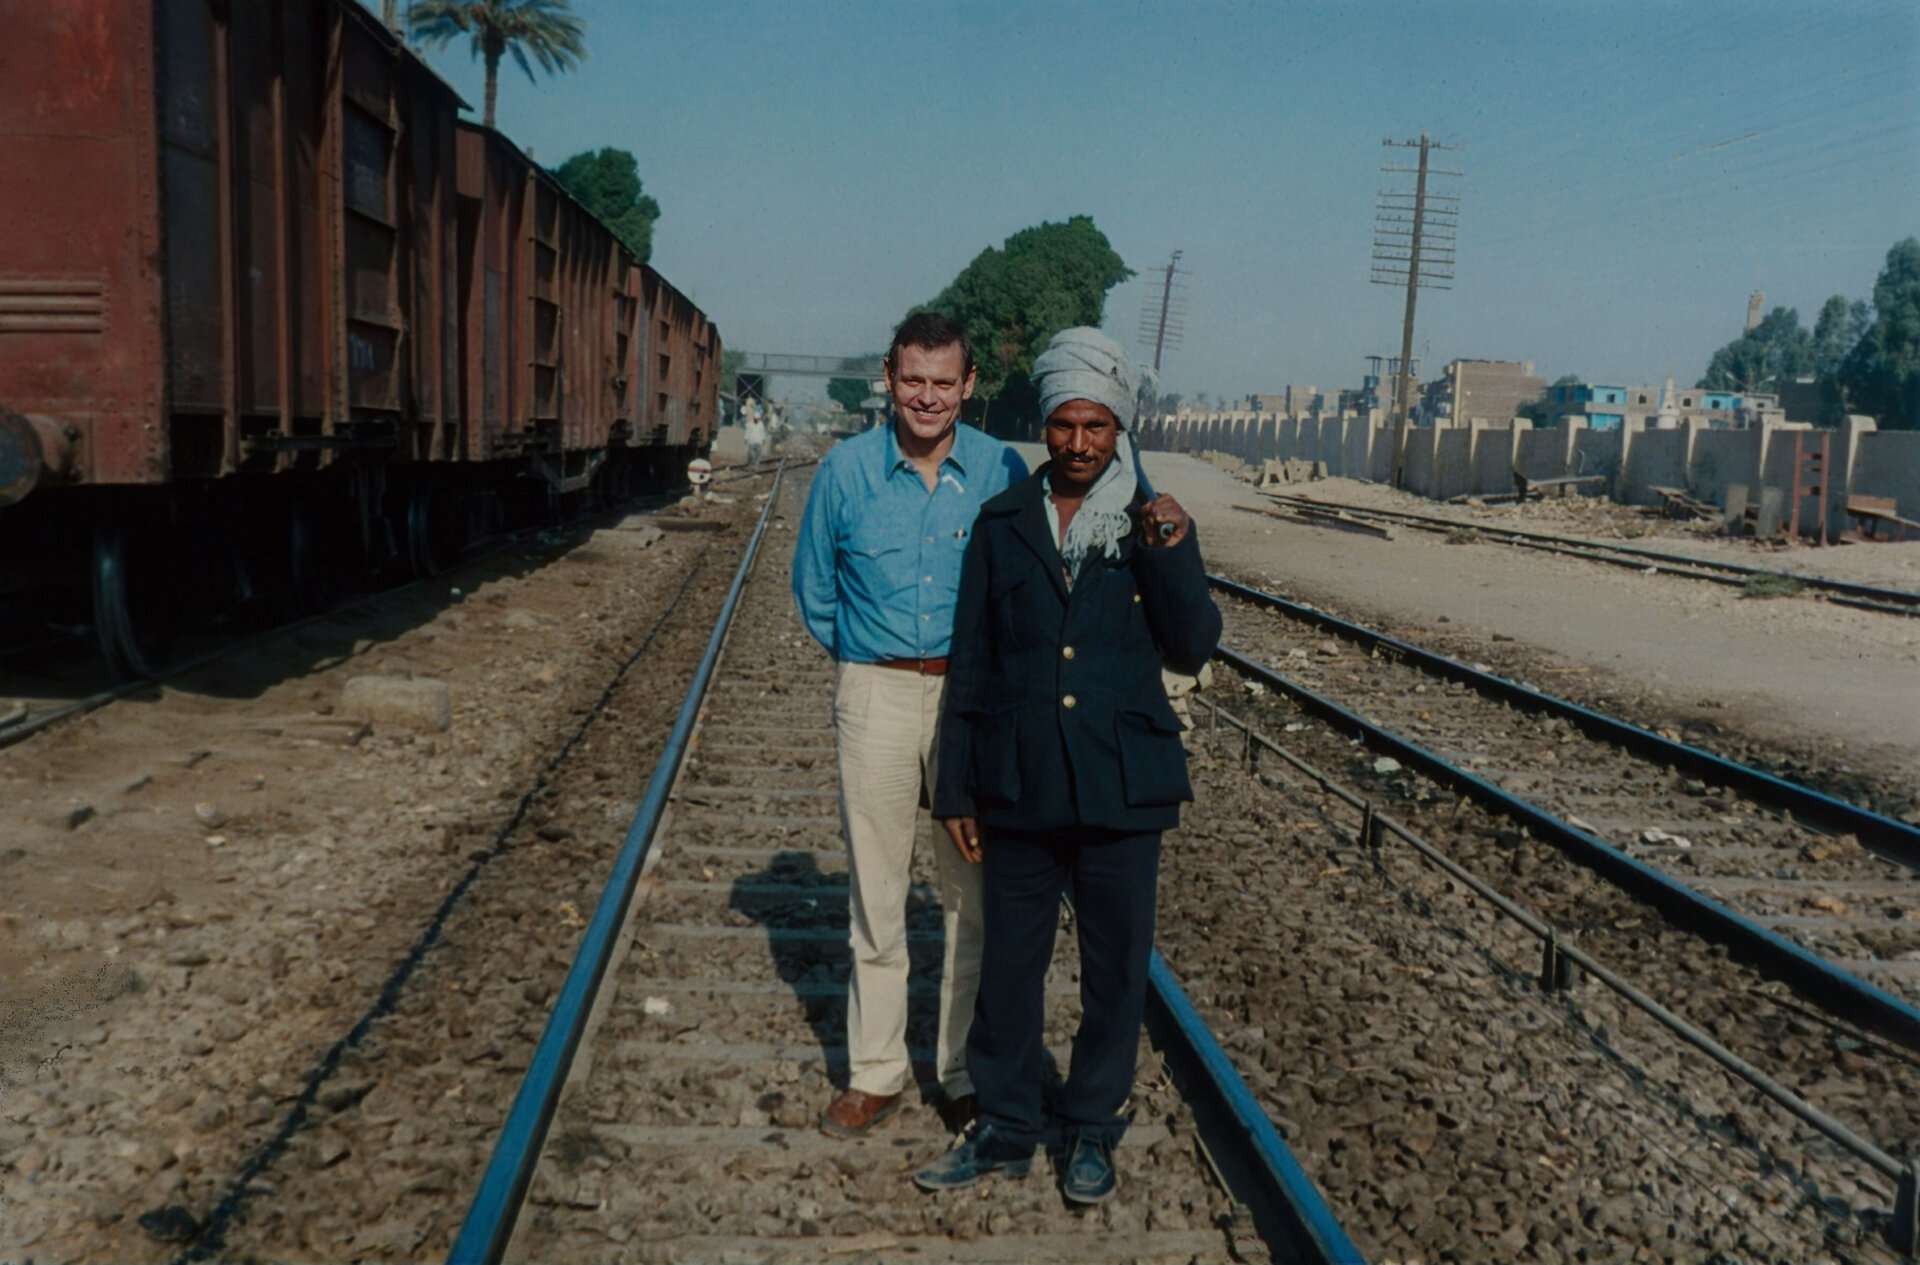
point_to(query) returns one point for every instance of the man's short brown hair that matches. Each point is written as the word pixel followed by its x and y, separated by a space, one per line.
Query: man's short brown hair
pixel 931 331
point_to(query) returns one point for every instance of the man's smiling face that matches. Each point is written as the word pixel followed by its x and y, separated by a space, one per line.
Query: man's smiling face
pixel 928 386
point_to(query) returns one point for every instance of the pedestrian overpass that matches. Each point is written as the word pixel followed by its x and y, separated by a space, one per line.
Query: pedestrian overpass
pixel 771 364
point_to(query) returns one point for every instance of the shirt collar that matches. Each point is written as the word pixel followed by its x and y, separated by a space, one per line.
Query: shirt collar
pixel 897 459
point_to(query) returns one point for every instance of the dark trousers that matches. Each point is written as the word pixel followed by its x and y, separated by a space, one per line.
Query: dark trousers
pixel 1113 879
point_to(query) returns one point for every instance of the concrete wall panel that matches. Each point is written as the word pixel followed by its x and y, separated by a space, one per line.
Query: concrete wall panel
pixel 1492 460
pixel 1380 462
pixel 1597 452
pixel 1541 454
pixel 1453 463
pixel 1356 452
pixel 1888 464
pixel 1657 457
pixel 1722 458
pixel 1417 470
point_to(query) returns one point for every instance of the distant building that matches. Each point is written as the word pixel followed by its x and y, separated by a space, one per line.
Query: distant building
pixel 1599 406
pixel 1275 403
pixel 1374 399
pixel 1722 410
pixel 1479 390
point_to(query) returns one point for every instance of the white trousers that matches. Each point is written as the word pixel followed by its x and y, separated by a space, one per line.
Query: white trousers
pixel 885 720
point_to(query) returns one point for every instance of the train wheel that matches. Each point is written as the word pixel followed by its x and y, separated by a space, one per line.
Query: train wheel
pixel 134 613
pixel 312 564
pixel 445 515
pixel 427 547
pixel 617 488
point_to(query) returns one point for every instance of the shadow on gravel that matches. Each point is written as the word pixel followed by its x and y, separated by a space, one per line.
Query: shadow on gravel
pixel 69 667
pixel 804 911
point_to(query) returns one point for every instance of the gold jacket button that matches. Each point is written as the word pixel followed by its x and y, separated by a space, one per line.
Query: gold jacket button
pixel 1136 597
pixel 1066 652
pixel 1068 701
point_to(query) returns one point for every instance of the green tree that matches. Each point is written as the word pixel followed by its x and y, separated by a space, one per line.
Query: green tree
pixel 1838 328
pixel 1881 375
pixel 607 182
pixel 1835 334
pixel 730 362
pixel 1014 297
pixel 1170 401
pixel 1777 348
pixel 851 392
pixel 545 31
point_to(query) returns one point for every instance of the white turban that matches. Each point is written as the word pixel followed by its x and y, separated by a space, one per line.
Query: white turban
pixel 1084 364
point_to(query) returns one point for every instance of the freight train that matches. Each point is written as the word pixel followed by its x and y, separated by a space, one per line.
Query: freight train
pixel 275 320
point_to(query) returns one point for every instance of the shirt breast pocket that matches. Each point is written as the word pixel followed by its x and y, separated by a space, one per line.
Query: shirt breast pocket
pixel 880 558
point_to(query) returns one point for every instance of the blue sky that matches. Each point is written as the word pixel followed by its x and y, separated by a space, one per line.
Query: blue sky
pixel 821 167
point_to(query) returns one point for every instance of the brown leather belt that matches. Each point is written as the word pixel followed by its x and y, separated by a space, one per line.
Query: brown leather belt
pixel 925 667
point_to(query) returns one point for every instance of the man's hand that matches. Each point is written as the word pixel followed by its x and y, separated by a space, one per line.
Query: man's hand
pixel 965 833
pixel 1161 512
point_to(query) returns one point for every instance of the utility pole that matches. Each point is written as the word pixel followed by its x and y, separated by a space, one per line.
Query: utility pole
pixel 1413 243
pixel 1164 324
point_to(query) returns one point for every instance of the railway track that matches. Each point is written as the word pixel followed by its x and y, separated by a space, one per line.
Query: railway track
pixel 686 1129
pixel 1841 592
pixel 1758 981
pixel 1381 1014
pixel 376 912
pixel 1666 819
pixel 1390 1015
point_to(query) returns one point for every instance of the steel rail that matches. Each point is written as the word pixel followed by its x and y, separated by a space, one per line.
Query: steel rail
pixel 1375 826
pixel 1898 601
pixel 1822 983
pixel 1894 839
pixel 503 1187
pixel 1288 1210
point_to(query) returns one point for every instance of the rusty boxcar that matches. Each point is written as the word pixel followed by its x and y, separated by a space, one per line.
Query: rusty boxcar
pixel 273 318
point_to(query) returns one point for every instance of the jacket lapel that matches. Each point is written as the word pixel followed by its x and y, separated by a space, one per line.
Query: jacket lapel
pixel 1030 525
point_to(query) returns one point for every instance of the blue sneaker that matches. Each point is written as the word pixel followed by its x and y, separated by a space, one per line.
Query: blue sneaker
pixel 1089 1177
pixel 983 1152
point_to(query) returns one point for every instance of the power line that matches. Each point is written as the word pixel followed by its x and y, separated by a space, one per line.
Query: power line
pixel 1414 234
pixel 1163 317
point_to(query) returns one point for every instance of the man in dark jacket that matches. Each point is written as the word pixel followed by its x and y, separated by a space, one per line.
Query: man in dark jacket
pixel 1061 758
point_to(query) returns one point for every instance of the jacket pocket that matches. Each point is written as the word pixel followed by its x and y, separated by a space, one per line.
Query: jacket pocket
pixel 996 758
pixel 1153 763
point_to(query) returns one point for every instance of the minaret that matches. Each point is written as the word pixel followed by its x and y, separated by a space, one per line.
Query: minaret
pixel 1754 304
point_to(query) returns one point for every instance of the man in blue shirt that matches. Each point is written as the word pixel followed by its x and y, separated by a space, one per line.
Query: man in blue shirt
pixel 875 573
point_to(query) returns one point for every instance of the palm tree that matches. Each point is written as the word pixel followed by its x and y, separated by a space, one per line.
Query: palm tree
pixel 546 29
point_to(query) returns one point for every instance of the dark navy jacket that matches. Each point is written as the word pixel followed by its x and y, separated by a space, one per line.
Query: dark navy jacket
pixel 1055 712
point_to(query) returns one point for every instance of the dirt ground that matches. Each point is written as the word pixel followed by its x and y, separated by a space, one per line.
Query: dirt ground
pixel 1833 684
pixel 204 886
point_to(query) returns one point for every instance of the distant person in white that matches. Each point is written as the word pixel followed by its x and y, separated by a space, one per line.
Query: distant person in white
pixel 755 432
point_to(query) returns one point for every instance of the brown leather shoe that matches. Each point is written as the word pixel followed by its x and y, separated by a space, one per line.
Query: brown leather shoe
pixel 854 1113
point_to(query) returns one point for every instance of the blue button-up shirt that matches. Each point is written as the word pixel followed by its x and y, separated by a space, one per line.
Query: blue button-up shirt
pixel 877 566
